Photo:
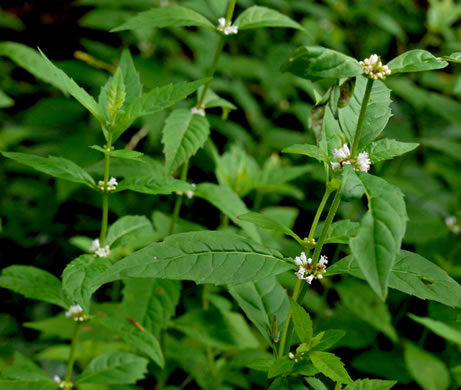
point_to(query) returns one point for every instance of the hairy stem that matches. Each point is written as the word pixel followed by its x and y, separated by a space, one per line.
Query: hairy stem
pixel 363 110
pixel 105 196
pixel 71 361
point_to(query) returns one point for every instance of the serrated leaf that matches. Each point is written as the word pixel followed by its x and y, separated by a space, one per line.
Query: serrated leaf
pixel 151 302
pixel 316 63
pixel 266 222
pixel 173 16
pixel 78 277
pixel 55 166
pixel 387 149
pixel 414 275
pixel 116 94
pixel 371 384
pixel 377 244
pixel 143 340
pixel 33 283
pixel 132 82
pixel 183 135
pixel 119 153
pixel 427 370
pixel 331 366
pixel 440 328
pixel 117 368
pixel 307 150
pixel 416 61
pixel 126 225
pixel 264 303
pixel 154 185
pixel 302 322
pixel 258 17
pixel 204 257
pixel 341 232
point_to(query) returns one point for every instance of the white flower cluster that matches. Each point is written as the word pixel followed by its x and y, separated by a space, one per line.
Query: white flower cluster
pixel 111 184
pixel 227 30
pixel 198 111
pixel 189 194
pixel 96 249
pixel 374 68
pixel 307 271
pixel 63 384
pixel 362 163
pixel 76 313
pixel 452 224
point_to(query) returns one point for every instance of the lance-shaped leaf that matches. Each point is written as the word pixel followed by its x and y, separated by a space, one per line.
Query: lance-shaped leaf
pixel 307 150
pixel 113 95
pixel 154 185
pixel 440 328
pixel 453 57
pixel 33 283
pixel 131 80
pixel 265 303
pixel 78 277
pixel 184 133
pixel 414 275
pixel 377 114
pixel 143 340
pixel 55 166
pixel 378 241
pixel 371 384
pixel 204 257
pixel 173 16
pixel 302 322
pixel 387 149
pixel 315 63
pixel 120 153
pixel 127 225
pixel 416 61
pixel 269 223
pixel 331 366
pixel 258 17
pixel 117 368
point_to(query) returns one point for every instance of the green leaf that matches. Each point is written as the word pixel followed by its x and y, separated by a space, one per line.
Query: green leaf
pixel 5 100
pixel 151 302
pixel 269 223
pixel 328 339
pixel 143 340
pixel 26 384
pixel 387 149
pixel 427 370
pixel 204 257
pixel 258 17
pixel 302 322
pixel 414 275
pixel 377 114
pixel 118 368
pixel 120 153
pixel 378 241
pixel 229 203
pixel 156 100
pixel 24 368
pixel 154 185
pixel 174 16
pixel 453 57
pixel 416 61
pixel 449 147
pixel 315 63
pixel 71 87
pixel 307 150
pixel 331 366
pixel 264 303
pixel 55 166
pixel 183 135
pixel 440 328
pixel 78 276
pixel 33 283
pixel 316 384
pixel 116 94
pixel 371 384
pixel 133 86
pixel 341 232
pixel 212 100
pixel 128 224
pixel 281 366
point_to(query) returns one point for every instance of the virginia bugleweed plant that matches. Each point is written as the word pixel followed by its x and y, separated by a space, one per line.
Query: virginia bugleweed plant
pixel 234 252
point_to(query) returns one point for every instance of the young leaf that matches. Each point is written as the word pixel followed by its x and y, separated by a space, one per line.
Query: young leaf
pixel 378 241
pixel 184 133
pixel 258 17
pixel 114 368
pixel 331 366
pixel 341 232
pixel 113 95
pixel 371 384
pixel 269 223
pixel 143 340
pixel 316 63
pixel 55 166
pixel 120 153
pixel 302 322
pixel 414 275
pixel 427 370
pixel 128 224
pixel 33 283
pixel 204 257
pixel 453 57
pixel 154 185
pixel 173 16
pixel 212 100
pixel 387 149
pixel 131 80
pixel 416 61
pixel 78 276
pixel 440 328
pixel 328 339
pixel 307 150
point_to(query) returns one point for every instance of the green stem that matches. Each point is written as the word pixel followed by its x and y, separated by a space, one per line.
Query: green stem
pixel 363 109
pixel 319 212
pixel 105 196
pixel 177 206
pixel 71 361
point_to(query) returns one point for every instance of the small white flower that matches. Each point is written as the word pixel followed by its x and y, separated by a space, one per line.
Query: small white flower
pixel 227 30
pixel 198 111
pixel 323 260
pixel 73 310
pixel 452 224
pixel 96 249
pixel 319 276
pixel 111 184
pixel 374 59
pixel 374 68
pixel 309 279
pixel 335 165
pixel 57 379
pixel 95 245
pixel 342 153
pixel 291 355
pixel 363 162
pixel 302 260
pixel 222 22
